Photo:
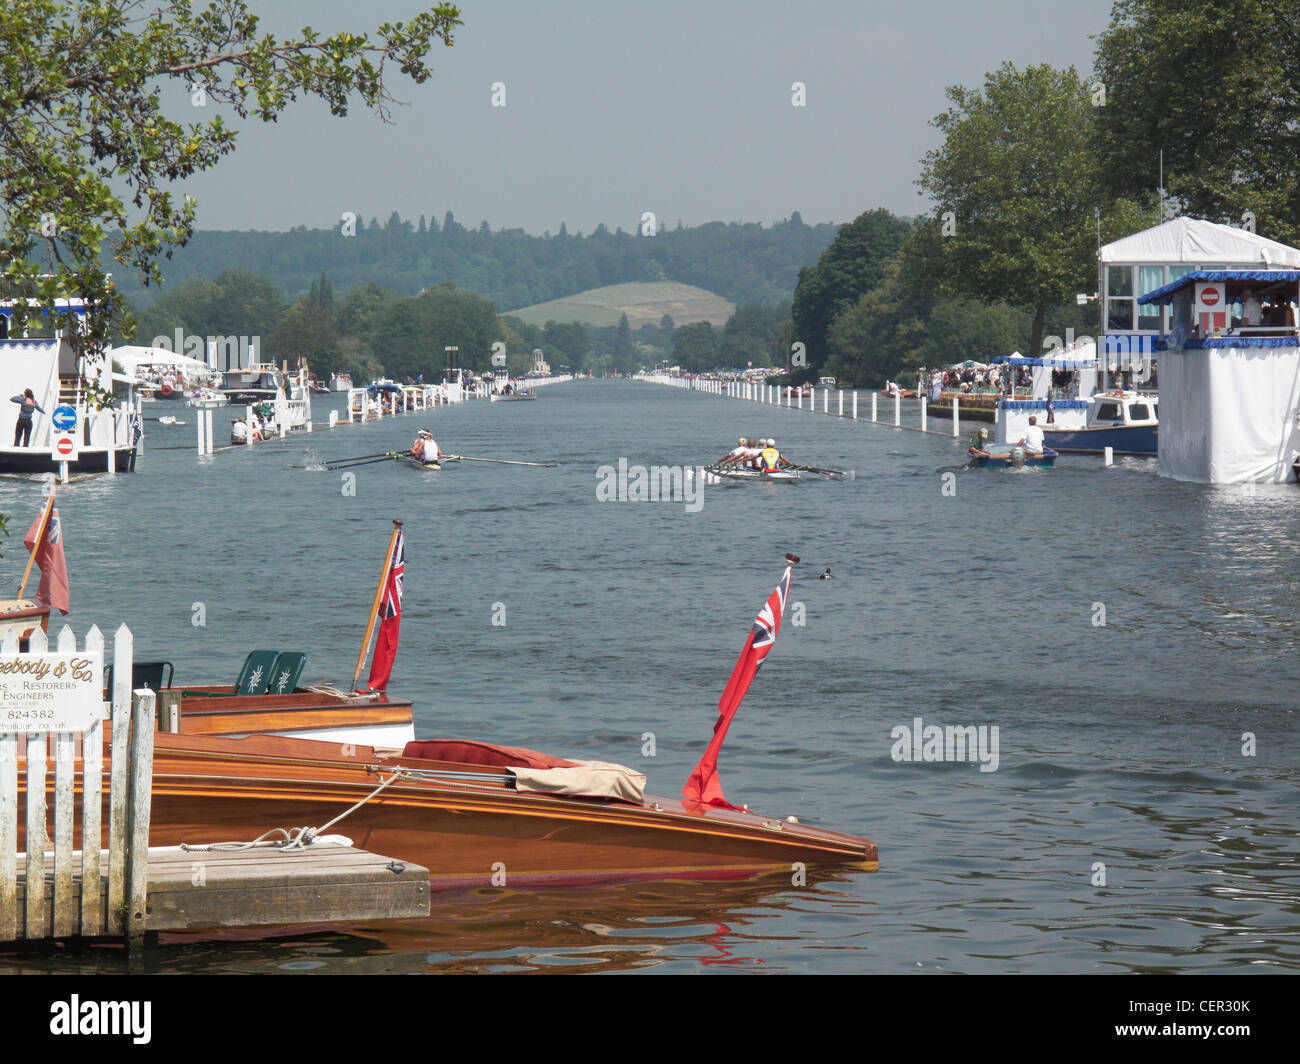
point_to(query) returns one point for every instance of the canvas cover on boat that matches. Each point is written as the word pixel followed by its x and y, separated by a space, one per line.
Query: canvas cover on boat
pixel 585 779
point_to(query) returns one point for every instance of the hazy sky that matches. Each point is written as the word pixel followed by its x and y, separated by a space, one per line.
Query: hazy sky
pixel 614 108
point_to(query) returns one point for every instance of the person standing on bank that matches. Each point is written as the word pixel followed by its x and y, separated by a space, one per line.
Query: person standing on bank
pixel 23 429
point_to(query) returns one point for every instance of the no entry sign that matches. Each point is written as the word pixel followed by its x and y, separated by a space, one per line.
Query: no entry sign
pixel 64 447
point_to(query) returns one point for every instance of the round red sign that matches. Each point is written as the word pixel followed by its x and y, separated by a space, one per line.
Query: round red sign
pixel 1210 296
pixel 65 445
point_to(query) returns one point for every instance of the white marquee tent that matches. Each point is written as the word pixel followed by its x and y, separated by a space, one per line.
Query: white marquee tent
pixel 129 358
pixel 1195 242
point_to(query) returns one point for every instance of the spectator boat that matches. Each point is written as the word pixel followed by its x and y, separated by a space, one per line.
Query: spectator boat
pixel 1126 422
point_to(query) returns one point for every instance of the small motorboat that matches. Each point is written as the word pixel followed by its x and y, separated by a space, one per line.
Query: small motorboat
pixel 1007 456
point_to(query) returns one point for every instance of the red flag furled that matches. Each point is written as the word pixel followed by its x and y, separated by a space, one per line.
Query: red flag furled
pixel 390 613
pixel 703 786
pixel 53 589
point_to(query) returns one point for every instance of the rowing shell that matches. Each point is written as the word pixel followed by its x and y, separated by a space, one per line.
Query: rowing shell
pixel 416 463
pixel 719 475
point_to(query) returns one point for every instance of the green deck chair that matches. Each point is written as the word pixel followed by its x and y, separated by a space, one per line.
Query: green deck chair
pixel 255 676
pixel 286 672
pixel 155 675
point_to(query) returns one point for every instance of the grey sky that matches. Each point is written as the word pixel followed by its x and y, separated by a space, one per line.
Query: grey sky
pixel 682 108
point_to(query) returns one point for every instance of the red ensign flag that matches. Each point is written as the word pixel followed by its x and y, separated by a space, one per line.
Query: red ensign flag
pixel 390 626
pixel 703 786
pixel 53 589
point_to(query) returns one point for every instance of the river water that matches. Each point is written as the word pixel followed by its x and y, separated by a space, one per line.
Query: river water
pixel 1132 640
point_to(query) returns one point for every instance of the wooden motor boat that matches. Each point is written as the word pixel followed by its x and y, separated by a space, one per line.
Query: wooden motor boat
pixel 22 617
pixel 512 397
pixel 457 809
pixel 460 818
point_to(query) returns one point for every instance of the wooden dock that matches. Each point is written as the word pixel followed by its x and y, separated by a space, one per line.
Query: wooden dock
pixel 134 889
pixel 191 890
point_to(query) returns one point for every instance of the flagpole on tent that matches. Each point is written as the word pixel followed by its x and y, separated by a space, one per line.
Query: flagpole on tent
pixel 36 543
pixel 374 609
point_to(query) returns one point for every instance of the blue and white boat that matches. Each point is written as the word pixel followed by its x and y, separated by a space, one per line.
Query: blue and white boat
pixel 1126 422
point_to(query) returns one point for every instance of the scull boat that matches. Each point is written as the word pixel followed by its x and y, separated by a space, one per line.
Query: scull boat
pixel 725 474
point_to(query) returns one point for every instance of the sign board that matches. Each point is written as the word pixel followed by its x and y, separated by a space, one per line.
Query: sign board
pixel 64 448
pixel 64 418
pixel 1211 308
pixel 51 692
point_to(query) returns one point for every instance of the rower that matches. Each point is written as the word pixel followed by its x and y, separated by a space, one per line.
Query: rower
pixel 735 454
pixel 425 447
pixel 769 458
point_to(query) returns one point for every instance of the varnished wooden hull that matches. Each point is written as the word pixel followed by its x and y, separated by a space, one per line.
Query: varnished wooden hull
pixel 468 833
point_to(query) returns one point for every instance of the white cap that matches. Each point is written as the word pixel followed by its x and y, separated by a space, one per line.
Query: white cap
pixel 771 443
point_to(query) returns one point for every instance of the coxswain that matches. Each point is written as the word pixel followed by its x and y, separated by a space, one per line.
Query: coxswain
pixel 826 575
pixel 425 447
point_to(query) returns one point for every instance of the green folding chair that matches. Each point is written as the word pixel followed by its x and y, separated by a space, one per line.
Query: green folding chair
pixel 286 672
pixel 255 676
pixel 155 675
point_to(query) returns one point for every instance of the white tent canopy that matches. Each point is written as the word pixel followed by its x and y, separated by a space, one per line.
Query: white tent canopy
pixel 129 358
pixel 1194 242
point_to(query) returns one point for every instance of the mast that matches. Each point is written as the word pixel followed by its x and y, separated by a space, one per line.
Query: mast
pixel 374 609
pixel 36 543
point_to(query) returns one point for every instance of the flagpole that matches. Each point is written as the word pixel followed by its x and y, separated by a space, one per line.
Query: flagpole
pixel 36 543
pixel 374 609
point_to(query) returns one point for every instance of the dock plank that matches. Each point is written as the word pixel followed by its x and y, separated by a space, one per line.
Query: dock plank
pixel 190 890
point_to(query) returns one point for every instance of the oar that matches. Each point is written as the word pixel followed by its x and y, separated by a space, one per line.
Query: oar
pixel 360 457
pixel 498 461
pixel 833 474
pixel 360 462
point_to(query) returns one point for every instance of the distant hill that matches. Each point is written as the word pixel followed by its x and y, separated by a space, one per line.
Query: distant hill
pixel 644 303
pixel 745 263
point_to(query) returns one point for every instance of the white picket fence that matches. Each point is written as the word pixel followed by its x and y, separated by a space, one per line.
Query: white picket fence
pixel 79 899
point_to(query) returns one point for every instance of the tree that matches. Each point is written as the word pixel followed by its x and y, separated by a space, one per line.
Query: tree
pixel 851 266
pixel 1018 184
pixel 695 347
pixel 1215 84
pixel 87 152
